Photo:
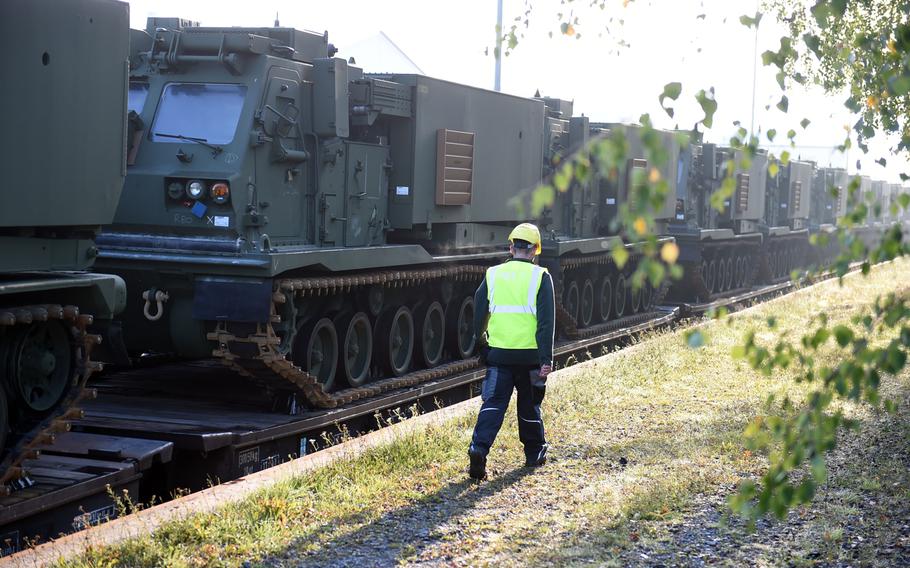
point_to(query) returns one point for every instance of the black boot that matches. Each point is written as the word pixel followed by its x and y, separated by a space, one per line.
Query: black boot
pixel 478 468
pixel 539 459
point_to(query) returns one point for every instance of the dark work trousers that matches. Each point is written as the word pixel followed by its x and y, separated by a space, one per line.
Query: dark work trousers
pixel 495 393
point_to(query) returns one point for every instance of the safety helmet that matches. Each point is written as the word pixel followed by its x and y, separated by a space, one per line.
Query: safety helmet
pixel 527 232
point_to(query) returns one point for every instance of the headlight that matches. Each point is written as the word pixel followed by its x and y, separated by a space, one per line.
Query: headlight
pixel 175 190
pixel 195 189
pixel 220 193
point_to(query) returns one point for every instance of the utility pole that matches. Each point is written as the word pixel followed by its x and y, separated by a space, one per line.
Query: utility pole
pixel 754 73
pixel 498 53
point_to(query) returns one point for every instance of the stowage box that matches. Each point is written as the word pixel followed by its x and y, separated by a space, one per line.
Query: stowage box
pixel 463 154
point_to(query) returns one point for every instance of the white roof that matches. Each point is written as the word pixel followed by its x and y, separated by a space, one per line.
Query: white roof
pixel 379 54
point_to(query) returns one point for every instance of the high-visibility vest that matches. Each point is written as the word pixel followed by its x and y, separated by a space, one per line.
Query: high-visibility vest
pixel 512 294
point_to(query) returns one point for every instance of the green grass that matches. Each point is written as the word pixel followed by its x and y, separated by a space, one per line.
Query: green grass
pixel 673 414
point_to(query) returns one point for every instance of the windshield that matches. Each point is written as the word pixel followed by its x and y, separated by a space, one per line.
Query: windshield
pixel 138 93
pixel 207 112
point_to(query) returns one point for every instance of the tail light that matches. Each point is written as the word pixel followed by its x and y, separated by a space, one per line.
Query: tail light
pixel 220 193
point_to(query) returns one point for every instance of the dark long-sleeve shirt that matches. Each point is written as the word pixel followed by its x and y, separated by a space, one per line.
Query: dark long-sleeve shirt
pixel 546 325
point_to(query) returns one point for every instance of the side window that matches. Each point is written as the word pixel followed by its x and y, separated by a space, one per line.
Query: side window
pixel 137 95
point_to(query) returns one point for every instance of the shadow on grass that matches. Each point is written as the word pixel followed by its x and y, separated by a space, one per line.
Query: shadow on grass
pixel 396 535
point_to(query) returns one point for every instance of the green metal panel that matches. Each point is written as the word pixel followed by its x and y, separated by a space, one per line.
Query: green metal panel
pixel 800 173
pixel 30 253
pixel 507 151
pixel 101 295
pixel 63 111
pixel 366 194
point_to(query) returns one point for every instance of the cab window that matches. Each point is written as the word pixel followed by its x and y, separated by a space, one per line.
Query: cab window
pixel 205 111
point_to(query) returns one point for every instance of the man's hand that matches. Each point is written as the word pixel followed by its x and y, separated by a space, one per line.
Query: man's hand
pixel 544 371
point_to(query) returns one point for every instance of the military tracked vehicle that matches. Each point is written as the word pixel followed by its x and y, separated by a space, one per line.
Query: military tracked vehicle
pixel 323 231
pixel 720 249
pixel 63 111
pixel 830 193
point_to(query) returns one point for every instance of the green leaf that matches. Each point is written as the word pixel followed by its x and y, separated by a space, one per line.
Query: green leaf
pixel 899 85
pixel 813 42
pixel 804 123
pixel 773 169
pixel 791 134
pixel 695 338
pixel 771 134
pixel 542 198
pixel 671 91
pixel 562 177
pixel 620 255
pixel 843 335
pixel 819 471
pixel 708 106
pixel 751 21
pixel 784 158
pixel 784 104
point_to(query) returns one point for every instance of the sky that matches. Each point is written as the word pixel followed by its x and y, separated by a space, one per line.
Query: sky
pixel 614 72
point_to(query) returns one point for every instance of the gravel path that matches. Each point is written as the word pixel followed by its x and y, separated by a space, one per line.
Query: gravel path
pixel 861 517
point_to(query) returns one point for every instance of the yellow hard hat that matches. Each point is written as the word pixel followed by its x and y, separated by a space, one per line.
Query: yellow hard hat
pixel 527 232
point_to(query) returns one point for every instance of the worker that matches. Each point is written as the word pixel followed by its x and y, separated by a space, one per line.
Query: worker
pixel 514 324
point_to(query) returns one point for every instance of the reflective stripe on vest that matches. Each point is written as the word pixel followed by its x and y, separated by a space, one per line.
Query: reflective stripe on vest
pixel 512 295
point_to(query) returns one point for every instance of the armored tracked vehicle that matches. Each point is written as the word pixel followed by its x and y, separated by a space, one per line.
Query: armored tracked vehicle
pixel 64 63
pixel 720 249
pixel 323 231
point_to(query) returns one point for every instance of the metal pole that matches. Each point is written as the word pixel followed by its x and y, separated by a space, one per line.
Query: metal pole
pixel 754 73
pixel 498 54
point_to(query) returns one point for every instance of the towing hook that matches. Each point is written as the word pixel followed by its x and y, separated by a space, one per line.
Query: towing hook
pixel 157 296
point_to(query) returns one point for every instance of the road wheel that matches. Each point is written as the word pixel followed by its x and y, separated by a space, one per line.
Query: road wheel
pixel 586 307
pixel 356 347
pixel 431 337
pixel 315 350
pixel 38 365
pixel 605 298
pixel 619 296
pixel 571 299
pixel 460 328
pixel 396 336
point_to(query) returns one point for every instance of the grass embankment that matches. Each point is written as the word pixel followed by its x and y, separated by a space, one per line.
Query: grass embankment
pixel 635 436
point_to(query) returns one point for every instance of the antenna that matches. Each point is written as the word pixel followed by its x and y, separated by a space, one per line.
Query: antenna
pixel 277 25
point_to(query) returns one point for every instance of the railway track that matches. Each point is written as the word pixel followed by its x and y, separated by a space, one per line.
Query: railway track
pixel 168 429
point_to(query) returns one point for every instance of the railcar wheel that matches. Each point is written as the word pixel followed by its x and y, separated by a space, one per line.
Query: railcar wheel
pixel 460 328
pixel 605 298
pixel 315 350
pixel 39 366
pixel 728 281
pixel 740 271
pixel 586 307
pixel 712 276
pixel 431 338
pixel 356 347
pixel 571 300
pixel 396 332
pixel 619 296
